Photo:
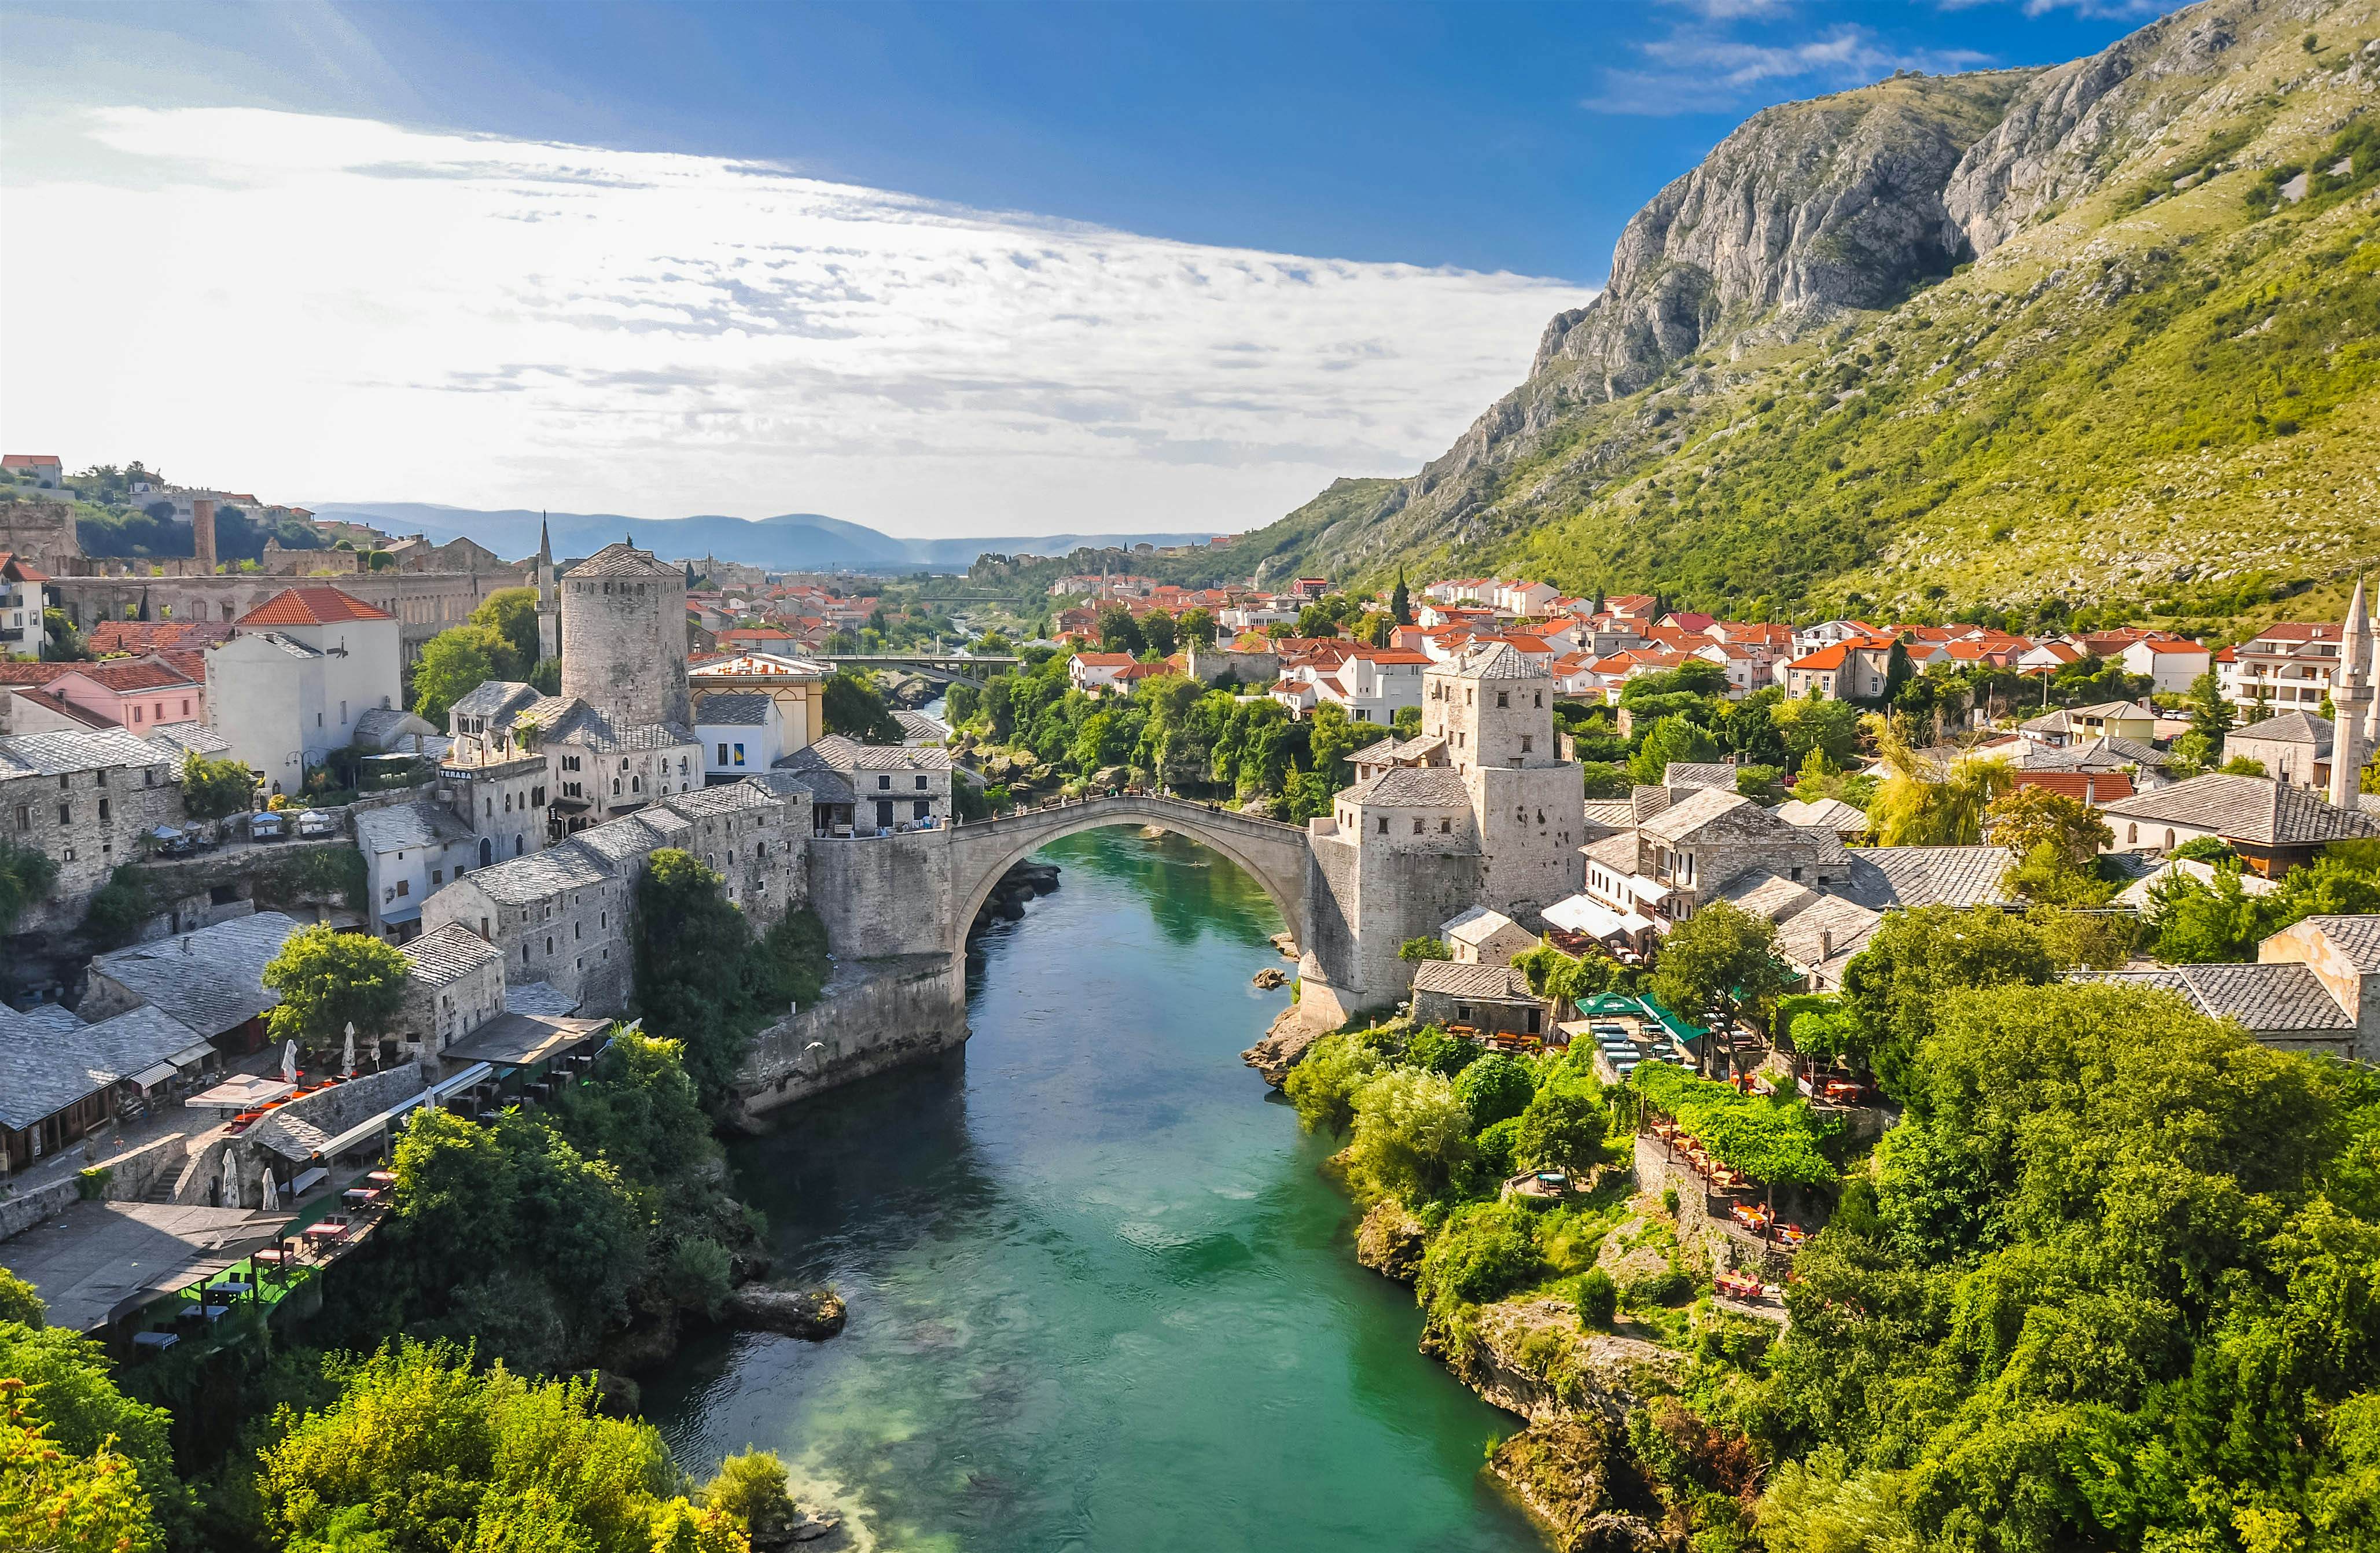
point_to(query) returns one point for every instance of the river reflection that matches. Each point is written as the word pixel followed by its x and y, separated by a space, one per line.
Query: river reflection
pixel 1099 1297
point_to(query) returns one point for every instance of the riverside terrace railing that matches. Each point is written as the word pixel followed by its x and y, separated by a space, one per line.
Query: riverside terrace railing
pixel 1190 810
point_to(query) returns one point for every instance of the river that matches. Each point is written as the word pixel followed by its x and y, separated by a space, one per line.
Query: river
pixel 1100 1298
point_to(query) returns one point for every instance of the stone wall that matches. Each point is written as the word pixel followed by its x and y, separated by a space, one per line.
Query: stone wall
pixel 22 1211
pixel 876 1015
pixel 131 1173
pixel 883 895
pixel 87 828
pixel 627 644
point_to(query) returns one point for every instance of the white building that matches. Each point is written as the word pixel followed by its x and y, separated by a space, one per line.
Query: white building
pixel 2170 665
pixel 287 689
pixel 2286 667
pixel 741 732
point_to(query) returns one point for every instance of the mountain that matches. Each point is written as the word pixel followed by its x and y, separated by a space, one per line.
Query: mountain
pixel 2104 331
pixel 793 541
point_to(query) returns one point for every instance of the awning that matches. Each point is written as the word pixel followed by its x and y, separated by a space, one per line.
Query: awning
pixel 149 1078
pixel 1579 915
pixel 245 1092
pixel 1645 889
pixel 192 1056
pixel 409 912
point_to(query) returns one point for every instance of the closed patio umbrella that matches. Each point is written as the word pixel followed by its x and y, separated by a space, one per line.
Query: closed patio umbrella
pixel 289 1062
pixel 347 1069
pixel 271 1193
pixel 231 1184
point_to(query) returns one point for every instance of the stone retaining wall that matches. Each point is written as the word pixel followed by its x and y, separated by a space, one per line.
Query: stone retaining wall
pixel 22 1211
pixel 876 1013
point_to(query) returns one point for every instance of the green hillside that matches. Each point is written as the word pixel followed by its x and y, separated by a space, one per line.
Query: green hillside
pixel 2161 391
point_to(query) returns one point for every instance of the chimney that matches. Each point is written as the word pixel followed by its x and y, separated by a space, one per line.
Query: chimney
pixel 1825 944
pixel 202 532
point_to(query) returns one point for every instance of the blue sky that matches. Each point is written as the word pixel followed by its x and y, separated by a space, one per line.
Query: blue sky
pixel 934 268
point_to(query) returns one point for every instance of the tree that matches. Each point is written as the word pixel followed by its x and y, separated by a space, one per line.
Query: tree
pixel 81 1465
pixel 2036 817
pixel 751 1491
pixel 1721 959
pixel 856 710
pixel 692 948
pixel 1157 627
pixel 1919 805
pixel 1424 948
pixel 1830 728
pixel 1598 1300
pixel 2211 715
pixel 1400 601
pixel 1120 633
pixel 27 875
pixel 1494 1088
pixel 1331 736
pixel 1323 1086
pixel 420 1452
pixel 454 662
pixel 1406 722
pixel 1913 961
pixel 1762 784
pixel 511 614
pixel 1672 738
pixel 328 979
pixel 1562 1126
pixel 1411 1134
pixel 1194 627
pixel 212 789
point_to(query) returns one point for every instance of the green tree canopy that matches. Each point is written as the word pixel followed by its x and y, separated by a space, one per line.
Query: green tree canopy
pixel 856 710
pixel 1495 1089
pixel 1412 1133
pixel 511 614
pixel 1672 738
pixel 27 875
pixel 1916 959
pixel 328 978
pixel 454 662
pixel 212 789
pixel 1721 959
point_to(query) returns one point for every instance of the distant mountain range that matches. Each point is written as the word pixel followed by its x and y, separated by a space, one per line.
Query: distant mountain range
pixel 790 541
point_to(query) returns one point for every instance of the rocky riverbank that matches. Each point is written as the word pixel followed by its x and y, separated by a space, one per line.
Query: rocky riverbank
pixel 1018 885
pixel 1284 1043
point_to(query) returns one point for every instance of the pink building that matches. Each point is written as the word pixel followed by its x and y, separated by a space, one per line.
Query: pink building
pixel 138 694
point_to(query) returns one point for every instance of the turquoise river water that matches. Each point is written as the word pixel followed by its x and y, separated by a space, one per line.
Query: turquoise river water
pixel 1100 1298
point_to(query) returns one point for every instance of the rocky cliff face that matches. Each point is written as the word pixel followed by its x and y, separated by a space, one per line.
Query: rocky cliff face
pixel 1811 231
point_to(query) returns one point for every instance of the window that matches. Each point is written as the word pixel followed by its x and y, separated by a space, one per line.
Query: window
pixel 722 755
pixel 1503 698
pixel 24 817
pixel 99 777
pixel 437 876
pixel 66 814
pixel 925 809
pixel 317 720
pixel 1541 698
pixel 102 808
pixel 883 782
pixel 136 713
pixel 1417 826
pixel 403 888
pixel 1445 826
pixel 739 754
pixel 1527 743
pixel 1384 824
pixel 921 783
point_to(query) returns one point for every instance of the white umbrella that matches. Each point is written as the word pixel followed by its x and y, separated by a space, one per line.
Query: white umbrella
pixel 349 1070
pixel 231 1184
pixel 289 1064
pixel 271 1193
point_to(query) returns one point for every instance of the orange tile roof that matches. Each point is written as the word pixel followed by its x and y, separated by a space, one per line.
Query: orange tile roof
pixel 132 674
pixel 313 606
pixel 2090 787
pixel 33 673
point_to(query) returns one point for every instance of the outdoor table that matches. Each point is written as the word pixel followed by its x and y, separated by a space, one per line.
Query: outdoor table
pixel 232 1286
pixel 324 1232
pixel 155 1340
pixel 270 1258
pixel 362 1195
pixel 210 1312
pixel 381 1178
pixel 1741 1288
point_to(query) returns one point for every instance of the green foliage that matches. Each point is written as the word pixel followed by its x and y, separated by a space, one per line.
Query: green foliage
pixel 212 789
pixel 2116 1290
pixel 1562 1126
pixel 27 875
pixel 1762 784
pixel 1495 1089
pixel 1323 1085
pixel 1671 738
pixel 454 662
pixel 2205 849
pixel 511 614
pixel 856 710
pixel 1434 1050
pixel 1406 722
pixel 1494 1147
pixel 113 1466
pixel 701 1273
pixel 327 979
pixel 19 1301
pixel 1483 1253
pixel 1412 1133
pixel 421 1453
pixel 1769 1139
pixel 1553 974
pixel 1915 960
pixel 1722 957
pixel 703 981
pixel 120 907
pixel 1424 948
pixel 750 1491
pixel 1598 1300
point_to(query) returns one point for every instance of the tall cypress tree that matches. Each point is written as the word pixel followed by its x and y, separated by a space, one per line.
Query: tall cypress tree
pixel 1400 601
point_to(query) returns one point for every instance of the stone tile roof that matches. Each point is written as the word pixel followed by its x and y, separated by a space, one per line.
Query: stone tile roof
pixel 2107 753
pixel 583 727
pixel 1769 895
pixel 824 784
pixel 1392 748
pixel 731 709
pixel 495 696
pixel 444 955
pixel 728 797
pixel 1718 774
pixel 539 998
pixel 381 724
pixel 567 865
pixel 140 1038
pixel 211 981
pixel 2292 727
pixel 1494 661
pixel 1824 936
pixel 629 840
pixel 422 824
pixel 839 753
pixel 2260 810
pixel 1475 926
pixel 2269 1000
pixel 2356 938
pixel 1885 877
pixel 71 750
pixel 176 739
pixel 623 561
pixel 1613 814
pixel 1831 814
pixel 42 1072
pixel 1617 852
pixel 1458 980
pixel 1414 787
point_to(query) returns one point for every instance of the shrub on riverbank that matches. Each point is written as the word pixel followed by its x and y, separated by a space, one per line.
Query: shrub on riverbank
pixel 703 977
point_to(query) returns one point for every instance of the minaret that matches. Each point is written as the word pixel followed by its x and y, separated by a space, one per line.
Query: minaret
pixel 549 602
pixel 2351 699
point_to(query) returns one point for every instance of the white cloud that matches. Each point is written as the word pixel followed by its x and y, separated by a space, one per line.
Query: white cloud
pixel 1701 70
pixel 338 308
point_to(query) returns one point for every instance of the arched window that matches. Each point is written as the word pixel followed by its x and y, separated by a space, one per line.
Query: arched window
pixel 2132 835
pixel 487 851
pixel 2169 838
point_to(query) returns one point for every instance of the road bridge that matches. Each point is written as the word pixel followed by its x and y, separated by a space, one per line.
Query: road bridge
pixel 955 667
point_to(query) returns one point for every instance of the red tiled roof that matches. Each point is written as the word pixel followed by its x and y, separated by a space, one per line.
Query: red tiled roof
pixel 1105 659
pixel 1825 658
pixel 28 460
pixel 2089 787
pixel 313 606
pixel 51 700
pixel 132 674
pixel 34 673
pixel 23 571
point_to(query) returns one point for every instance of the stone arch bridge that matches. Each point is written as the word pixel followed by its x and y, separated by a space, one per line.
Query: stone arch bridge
pixel 1272 853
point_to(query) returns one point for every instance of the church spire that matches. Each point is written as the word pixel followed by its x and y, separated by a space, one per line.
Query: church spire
pixel 2350 698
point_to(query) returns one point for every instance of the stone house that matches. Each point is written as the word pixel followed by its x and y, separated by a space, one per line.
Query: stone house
pixel 84 798
pixel 1481 937
pixel 2315 987
pixel 1482 999
pixel 453 984
pixel 891 786
pixel 1690 851
pixel 2294 747
pixel 410 851
pixel 2272 825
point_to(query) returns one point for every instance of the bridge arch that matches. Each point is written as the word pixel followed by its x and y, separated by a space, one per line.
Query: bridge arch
pixel 1272 853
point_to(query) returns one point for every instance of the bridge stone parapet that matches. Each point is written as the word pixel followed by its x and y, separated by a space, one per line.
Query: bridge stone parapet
pixel 1273 854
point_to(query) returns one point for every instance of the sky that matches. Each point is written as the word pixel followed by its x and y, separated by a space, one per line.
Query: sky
pixel 938 269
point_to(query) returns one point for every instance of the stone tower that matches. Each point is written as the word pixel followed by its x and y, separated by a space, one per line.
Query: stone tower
pixel 1496 713
pixel 549 601
pixel 623 619
pixel 2351 700
pixel 202 533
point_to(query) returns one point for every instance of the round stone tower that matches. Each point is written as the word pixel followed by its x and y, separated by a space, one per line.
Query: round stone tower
pixel 624 637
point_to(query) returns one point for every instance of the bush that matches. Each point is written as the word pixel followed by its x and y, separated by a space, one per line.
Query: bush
pixel 1410 1134
pixel 750 1491
pixel 1424 948
pixel 1495 1089
pixel 120 907
pixel 1496 1144
pixel 701 1273
pixel 1562 1126
pixel 1670 1201
pixel 1439 1052
pixel 1323 1086
pixel 1483 1254
pixel 1666 1287
pixel 25 876
pixel 1598 1300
